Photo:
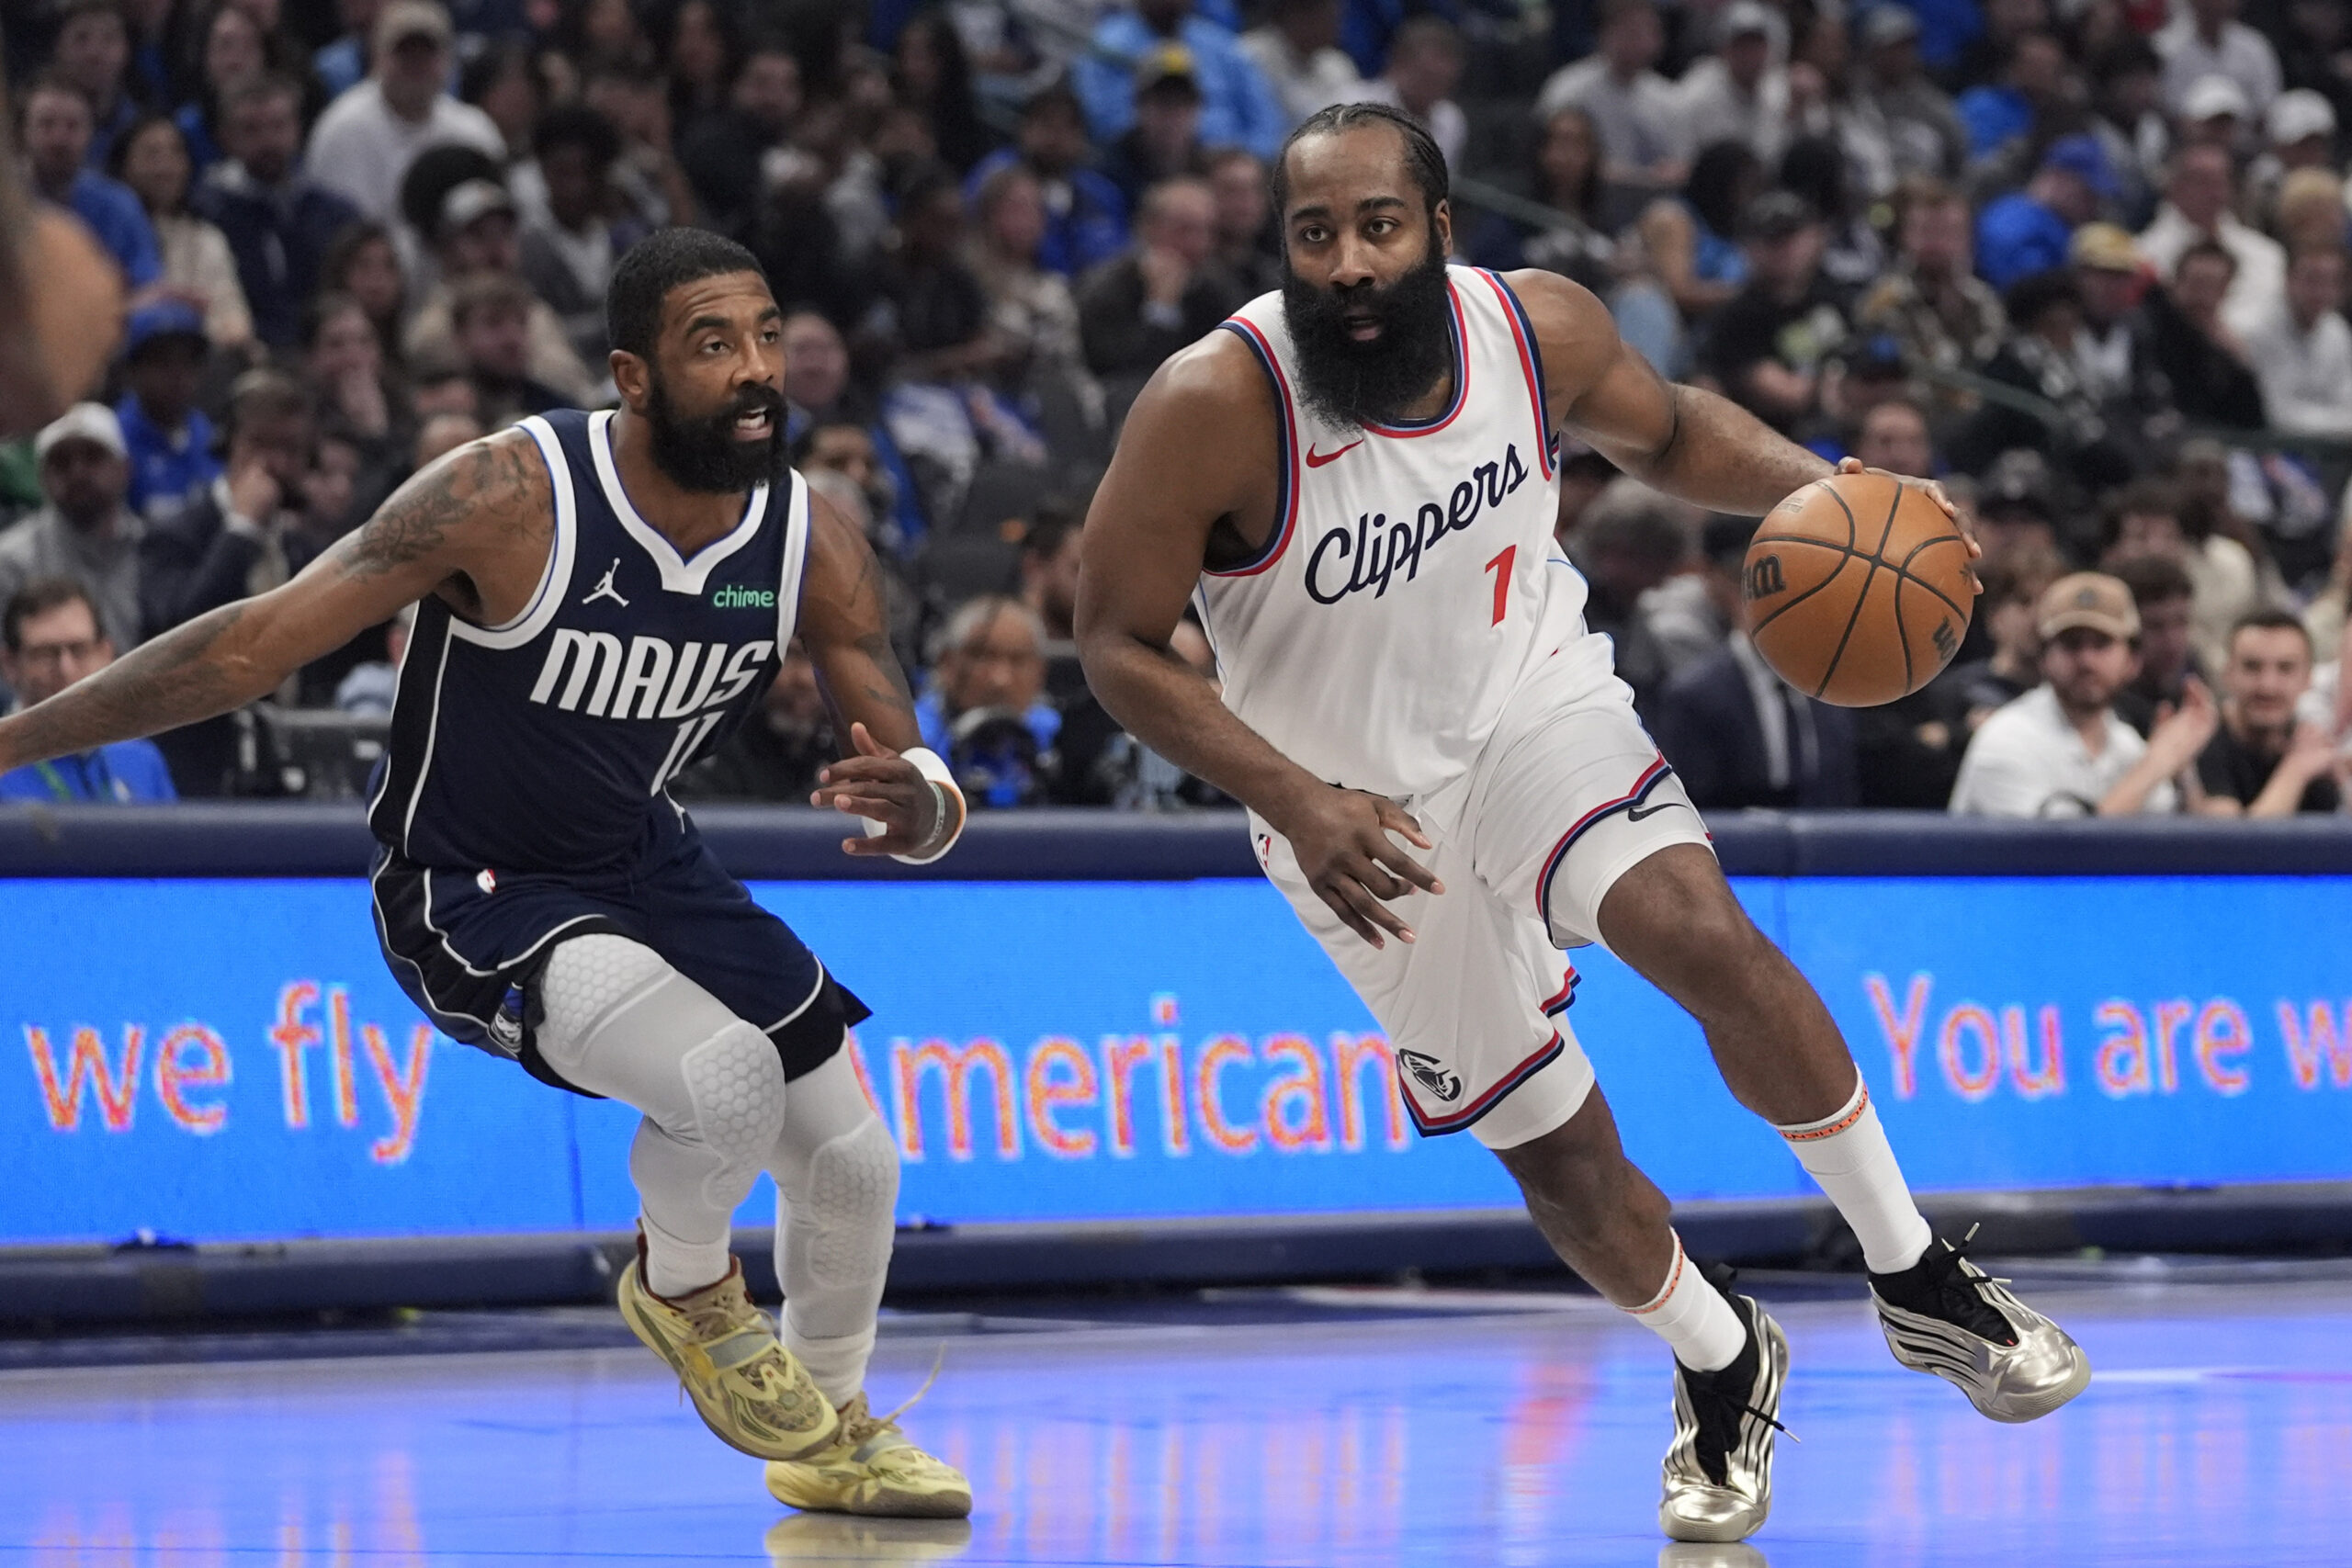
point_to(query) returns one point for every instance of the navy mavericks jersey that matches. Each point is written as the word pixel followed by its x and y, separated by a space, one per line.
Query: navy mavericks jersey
pixel 543 744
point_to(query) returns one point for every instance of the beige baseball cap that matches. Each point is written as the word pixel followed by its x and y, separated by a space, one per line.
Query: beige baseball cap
pixel 2089 599
pixel 2108 247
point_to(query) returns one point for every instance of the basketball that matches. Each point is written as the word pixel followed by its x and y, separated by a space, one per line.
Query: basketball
pixel 1858 590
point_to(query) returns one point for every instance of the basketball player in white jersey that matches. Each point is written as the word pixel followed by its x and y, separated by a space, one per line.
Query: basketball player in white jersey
pixel 1355 482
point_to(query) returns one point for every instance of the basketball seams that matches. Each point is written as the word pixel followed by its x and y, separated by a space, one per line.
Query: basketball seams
pixel 1817 588
pixel 1886 531
pixel 1904 570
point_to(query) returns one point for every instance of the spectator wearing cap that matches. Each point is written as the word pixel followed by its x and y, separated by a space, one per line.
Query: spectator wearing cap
pixel 1164 293
pixel 1767 346
pixel 56 126
pixel 2112 347
pixel 278 222
pixel 83 531
pixel 2206 38
pixel 1910 750
pixel 364 141
pixel 1628 542
pixel 2016 515
pixel 167 438
pixel 2300 130
pixel 1298 53
pixel 2060 749
pixel 2261 762
pixel 151 158
pixel 49 637
pixel 567 252
pixel 1915 117
pixel 478 234
pixel 1425 63
pixel 2033 81
pixel 2214 114
pixel 1163 143
pixel 1238 106
pixel 2027 231
pixel 1931 302
pixel 2200 198
pixel 2164 595
pixel 1735 733
pixel 1740 92
pixel 245 535
pixel 1642 142
pixel 93 52
pixel 1086 215
pixel 2303 355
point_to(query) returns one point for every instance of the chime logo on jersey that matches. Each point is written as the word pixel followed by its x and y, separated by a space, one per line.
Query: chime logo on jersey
pixel 1374 551
pixel 649 678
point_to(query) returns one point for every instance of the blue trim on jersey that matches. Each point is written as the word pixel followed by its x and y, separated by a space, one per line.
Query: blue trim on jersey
pixel 1549 438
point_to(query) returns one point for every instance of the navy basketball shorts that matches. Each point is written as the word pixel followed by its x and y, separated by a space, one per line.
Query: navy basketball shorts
pixel 467 944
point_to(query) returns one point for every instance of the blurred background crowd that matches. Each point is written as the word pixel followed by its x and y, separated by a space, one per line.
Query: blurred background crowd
pixel 2084 260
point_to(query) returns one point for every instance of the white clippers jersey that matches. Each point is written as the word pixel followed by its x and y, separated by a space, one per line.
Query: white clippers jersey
pixel 1411 582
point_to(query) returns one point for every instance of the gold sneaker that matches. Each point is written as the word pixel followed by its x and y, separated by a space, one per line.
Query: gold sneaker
pixel 747 1386
pixel 870 1468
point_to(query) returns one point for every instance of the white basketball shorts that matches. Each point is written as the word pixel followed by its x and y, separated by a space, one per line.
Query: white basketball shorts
pixel 1568 795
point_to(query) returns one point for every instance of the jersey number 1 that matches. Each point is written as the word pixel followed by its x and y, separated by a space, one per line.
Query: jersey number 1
pixel 1500 567
pixel 691 735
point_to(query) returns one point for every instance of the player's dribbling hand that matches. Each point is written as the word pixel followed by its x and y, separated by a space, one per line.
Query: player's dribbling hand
pixel 877 781
pixel 1934 491
pixel 1339 837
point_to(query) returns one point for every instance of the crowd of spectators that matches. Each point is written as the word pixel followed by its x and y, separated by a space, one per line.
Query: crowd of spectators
pixel 2083 260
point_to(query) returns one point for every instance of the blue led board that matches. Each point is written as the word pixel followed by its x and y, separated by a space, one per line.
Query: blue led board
pixel 227 1059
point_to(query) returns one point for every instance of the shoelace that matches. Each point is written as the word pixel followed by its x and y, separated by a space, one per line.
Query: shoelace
pixel 870 1425
pixel 1726 1408
pixel 1966 1298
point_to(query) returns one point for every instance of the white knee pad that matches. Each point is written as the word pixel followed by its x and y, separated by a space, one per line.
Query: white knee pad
pixel 851 1207
pixel 616 1020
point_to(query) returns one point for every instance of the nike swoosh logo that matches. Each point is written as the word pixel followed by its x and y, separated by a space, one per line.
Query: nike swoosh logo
pixel 1637 813
pixel 1317 460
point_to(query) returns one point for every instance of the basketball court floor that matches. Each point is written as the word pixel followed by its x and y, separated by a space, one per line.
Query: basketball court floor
pixel 1260 1428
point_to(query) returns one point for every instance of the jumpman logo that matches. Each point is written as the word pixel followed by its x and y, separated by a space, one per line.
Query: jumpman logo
pixel 606 590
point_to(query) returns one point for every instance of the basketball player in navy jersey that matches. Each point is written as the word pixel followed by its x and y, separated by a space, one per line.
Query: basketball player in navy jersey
pixel 603 599
pixel 1356 483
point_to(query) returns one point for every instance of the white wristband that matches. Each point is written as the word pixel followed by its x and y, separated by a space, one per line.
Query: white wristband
pixel 950 799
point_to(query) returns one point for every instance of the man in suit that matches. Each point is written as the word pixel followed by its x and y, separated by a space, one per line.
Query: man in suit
pixel 1738 734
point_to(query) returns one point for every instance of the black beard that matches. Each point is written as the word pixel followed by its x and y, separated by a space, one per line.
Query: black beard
pixel 705 455
pixel 1346 383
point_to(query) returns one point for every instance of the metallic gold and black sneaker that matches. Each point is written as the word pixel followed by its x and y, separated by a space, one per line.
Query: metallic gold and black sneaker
pixel 1945 1316
pixel 870 1468
pixel 1719 1471
pixel 749 1389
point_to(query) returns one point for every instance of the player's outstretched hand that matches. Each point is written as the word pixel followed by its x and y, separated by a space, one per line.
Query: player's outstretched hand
pixel 877 781
pixel 1340 838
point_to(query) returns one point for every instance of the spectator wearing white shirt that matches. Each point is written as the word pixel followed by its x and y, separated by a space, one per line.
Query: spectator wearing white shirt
pixel 2303 358
pixel 1740 92
pixel 2207 39
pixel 1297 52
pixel 367 139
pixel 1636 110
pixel 2061 749
pixel 2201 198
pixel 1425 59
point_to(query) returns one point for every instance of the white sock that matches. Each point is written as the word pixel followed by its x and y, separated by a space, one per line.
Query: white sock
pixel 836 1365
pixel 1693 1317
pixel 1848 1153
pixel 676 1268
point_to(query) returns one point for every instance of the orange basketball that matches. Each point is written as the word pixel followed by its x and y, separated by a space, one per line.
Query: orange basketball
pixel 1858 590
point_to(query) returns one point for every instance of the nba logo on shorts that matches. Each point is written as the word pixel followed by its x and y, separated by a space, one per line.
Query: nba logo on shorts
pixel 1266 852
pixel 486 881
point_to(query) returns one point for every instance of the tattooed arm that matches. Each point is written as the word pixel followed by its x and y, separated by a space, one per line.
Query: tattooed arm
pixel 475 526
pixel 845 625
